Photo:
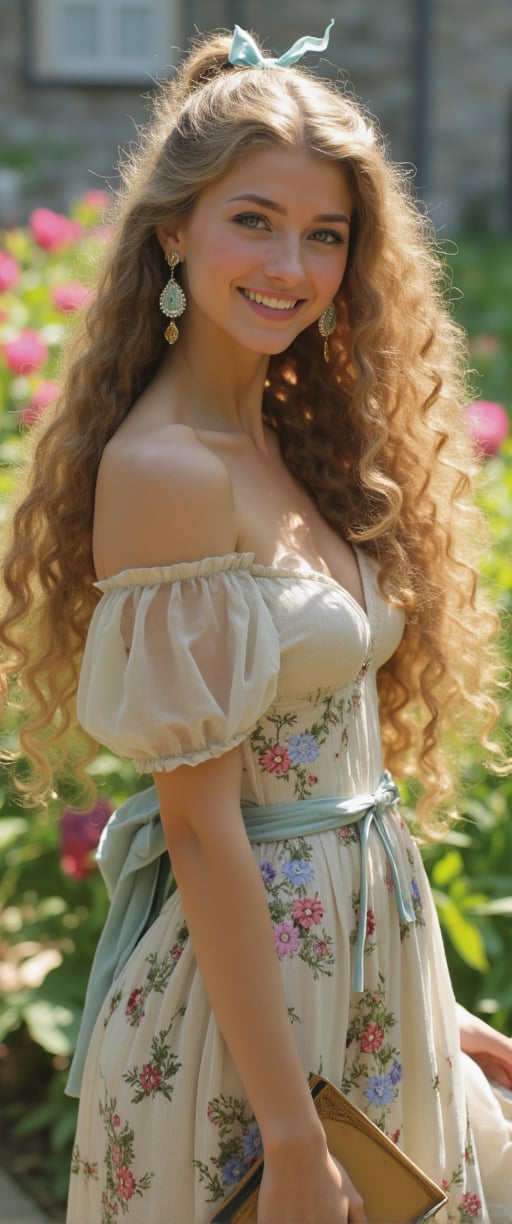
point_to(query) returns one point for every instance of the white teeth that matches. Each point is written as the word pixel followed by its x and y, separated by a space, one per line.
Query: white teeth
pixel 272 302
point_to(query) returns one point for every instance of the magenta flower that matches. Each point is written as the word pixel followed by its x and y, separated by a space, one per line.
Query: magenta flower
pixel 79 835
pixel 286 939
pixel 26 354
pixel 70 297
pixel 471 1204
pixel 96 199
pixel 44 394
pixel 150 1078
pixel 9 271
pixel 370 922
pixel 488 426
pixel 307 911
pixel 52 230
pixel 275 759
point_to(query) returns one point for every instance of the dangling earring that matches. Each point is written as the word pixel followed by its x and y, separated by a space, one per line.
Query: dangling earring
pixel 326 325
pixel 172 299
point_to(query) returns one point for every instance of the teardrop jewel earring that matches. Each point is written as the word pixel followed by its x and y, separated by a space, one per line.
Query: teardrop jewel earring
pixel 326 325
pixel 172 299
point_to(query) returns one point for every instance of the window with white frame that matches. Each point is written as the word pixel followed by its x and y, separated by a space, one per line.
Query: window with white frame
pixel 105 42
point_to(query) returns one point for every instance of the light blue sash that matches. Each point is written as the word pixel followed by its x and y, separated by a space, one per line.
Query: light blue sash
pixel 135 865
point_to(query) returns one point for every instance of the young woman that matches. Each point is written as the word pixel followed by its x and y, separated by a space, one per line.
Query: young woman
pixel 259 517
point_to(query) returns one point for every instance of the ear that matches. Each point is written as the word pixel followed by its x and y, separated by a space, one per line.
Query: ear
pixel 171 238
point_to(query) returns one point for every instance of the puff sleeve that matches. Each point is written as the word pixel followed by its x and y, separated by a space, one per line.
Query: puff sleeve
pixel 179 662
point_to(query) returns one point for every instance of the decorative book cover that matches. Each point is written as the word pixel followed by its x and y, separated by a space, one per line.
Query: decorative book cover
pixel 394 1189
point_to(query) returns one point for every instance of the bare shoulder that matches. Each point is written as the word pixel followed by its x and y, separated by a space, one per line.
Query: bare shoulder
pixel 161 498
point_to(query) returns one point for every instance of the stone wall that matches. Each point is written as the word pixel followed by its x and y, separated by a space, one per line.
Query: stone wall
pixel 57 141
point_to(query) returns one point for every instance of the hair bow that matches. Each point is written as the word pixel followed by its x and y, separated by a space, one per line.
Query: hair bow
pixel 244 50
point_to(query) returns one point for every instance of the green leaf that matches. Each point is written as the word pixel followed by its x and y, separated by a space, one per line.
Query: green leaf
pixel 52 1026
pixel 464 935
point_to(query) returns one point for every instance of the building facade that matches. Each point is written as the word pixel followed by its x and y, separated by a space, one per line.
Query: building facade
pixel 75 76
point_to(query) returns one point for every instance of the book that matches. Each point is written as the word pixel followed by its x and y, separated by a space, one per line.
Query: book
pixel 393 1188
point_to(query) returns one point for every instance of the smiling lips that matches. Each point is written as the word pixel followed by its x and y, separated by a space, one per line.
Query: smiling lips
pixel 270 303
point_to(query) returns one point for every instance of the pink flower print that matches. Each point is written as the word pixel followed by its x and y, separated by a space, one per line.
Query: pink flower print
pixel 276 759
pixel 372 1038
pixel 286 939
pixel 370 922
pixel 125 1182
pixel 116 1121
pixel 176 952
pixel 9 271
pixel 321 948
pixel 212 1114
pixel 150 1078
pixel 307 911
pixel 472 1204
pixel 116 1153
pixel 27 353
pixel 135 1001
pixel 395 1136
pixel 312 778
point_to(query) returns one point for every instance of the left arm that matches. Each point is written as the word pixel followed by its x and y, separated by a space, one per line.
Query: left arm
pixel 489 1048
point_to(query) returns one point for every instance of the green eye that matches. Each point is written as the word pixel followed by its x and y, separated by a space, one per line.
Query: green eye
pixel 327 236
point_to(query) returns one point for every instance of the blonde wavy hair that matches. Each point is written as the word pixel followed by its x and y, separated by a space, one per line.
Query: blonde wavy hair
pixel 376 436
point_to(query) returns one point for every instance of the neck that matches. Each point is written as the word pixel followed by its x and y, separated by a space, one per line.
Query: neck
pixel 219 383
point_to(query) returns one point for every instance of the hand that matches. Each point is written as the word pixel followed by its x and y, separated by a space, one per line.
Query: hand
pixel 490 1049
pixel 308 1193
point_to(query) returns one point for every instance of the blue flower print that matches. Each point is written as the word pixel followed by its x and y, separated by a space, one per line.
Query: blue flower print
pixel 395 1074
pixel 415 890
pixel 232 1171
pixel 252 1144
pixel 267 872
pixel 303 748
pixel 298 871
pixel 379 1090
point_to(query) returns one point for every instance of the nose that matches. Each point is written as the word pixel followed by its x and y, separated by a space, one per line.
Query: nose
pixel 284 262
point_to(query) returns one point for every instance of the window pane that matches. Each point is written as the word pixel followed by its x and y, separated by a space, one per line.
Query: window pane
pixel 136 36
pixel 79 30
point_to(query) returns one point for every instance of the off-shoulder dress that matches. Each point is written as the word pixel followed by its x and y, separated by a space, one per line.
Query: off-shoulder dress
pixel 182 663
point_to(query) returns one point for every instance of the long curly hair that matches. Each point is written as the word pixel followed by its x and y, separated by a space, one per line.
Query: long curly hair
pixel 376 436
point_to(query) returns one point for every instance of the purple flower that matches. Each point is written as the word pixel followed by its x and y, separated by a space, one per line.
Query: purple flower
pixel 252 1144
pixel 379 1090
pixel 415 890
pixel 232 1171
pixel 395 1074
pixel 286 939
pixel 298 871
pixel 303 748
pixel 267 872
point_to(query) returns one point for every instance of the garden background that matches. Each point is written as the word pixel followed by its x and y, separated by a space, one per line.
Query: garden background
pixel 52 900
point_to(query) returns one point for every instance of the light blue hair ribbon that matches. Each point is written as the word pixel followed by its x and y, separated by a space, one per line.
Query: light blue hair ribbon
pixel 245 52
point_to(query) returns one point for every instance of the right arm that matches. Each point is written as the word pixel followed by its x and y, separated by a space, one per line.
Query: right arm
pixel 221 888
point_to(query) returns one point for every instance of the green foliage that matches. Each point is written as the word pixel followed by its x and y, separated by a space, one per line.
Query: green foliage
pixel 50 921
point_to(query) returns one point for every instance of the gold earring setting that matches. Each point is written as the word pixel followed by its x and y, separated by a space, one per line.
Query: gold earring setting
pixel 172 299
pixel 326 326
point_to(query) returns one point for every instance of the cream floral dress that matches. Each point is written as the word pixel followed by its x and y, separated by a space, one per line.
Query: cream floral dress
pixel 182 663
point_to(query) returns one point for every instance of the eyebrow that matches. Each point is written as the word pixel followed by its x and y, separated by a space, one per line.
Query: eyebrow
pixel 278 208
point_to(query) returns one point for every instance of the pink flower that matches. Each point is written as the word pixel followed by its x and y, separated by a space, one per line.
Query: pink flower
pixel 471 1203
pixel 25 354
pixel 9 271
pixel 370 922
pixel 116 1121
pixel 79 835
pixel 395 1136
pixel 307 911
pixel 116 1153
pixel 321 948
pixel 96 199
pixel 43 395
pixel 312 778
pixel 150 1078
pixel 134 1001
pixel 125 1182
pixel 286 939
pixel 176 952
pixel 52 230
pixel 70 297
pixel 488 426
pixel 275 759
pixel 372 1038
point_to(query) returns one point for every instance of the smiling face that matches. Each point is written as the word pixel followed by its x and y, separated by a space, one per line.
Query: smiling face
pixel 265 249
